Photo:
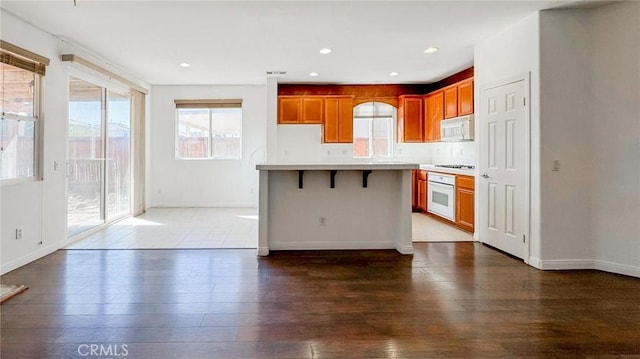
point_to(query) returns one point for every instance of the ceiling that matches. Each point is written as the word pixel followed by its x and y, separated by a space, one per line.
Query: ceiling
pixel 237 42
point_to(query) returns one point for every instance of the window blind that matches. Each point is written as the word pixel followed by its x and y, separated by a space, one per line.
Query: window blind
pixel 230 103
pixel 23 59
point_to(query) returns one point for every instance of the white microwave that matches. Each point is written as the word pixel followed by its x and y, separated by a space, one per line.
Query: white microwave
pixel 457 129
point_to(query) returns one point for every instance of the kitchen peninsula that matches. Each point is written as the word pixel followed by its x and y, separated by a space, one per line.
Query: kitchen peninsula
pixel 361 205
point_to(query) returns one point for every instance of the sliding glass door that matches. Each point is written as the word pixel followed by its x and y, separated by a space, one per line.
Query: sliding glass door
pixel 99 153
pixel 118 154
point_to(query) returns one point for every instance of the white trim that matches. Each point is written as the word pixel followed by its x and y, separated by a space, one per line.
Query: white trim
pixel 204 205
pixel 405 249
pixel 262 251
pixel 337 245
pixel 577 264
pixel 26 259
pixel 564 264
pixel 617 268
pixel 93 78
pixel 534 262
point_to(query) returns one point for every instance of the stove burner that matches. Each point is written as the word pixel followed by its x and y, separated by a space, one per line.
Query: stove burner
pixel 465 167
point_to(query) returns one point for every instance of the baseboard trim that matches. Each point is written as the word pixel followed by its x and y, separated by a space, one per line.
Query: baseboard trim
pixel 578 264
pixel 534 262
pixel 205 205
pixel 330 245
pixel 35 255
pixel 561 264
pixel 617 268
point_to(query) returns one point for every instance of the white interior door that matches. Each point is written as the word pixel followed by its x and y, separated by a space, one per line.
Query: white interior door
pixel 504 167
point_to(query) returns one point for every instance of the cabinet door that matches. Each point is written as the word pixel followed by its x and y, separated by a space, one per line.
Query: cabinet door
pixel 433 115
pixel 338 120
pixel 465 97
pixel 451 102
pixel 312 109
pixel 422 195
pixel 331 120
pixel 345 122
pixel 465 186
pixel 464 209
pixel 289 109
pixel 410 113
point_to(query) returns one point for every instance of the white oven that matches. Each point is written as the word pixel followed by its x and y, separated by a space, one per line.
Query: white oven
pixel 441 195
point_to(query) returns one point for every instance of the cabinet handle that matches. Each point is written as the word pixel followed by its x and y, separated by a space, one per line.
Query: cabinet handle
pixel 485 175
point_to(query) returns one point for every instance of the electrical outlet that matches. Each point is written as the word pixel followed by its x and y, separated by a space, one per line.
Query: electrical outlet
pixel 18 233
pixel 556 165
pixel 323 221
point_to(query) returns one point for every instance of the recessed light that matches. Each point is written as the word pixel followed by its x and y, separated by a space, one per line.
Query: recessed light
pixel 325 51
pixel 184 64
pixel 393 74
pixel 313 74
pixel 431 50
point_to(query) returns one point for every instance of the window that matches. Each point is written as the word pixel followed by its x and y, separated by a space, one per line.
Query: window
pixel 20 98
pixel 208 129
pixel 373 129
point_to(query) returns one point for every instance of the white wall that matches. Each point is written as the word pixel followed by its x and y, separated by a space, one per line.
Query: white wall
pixel 366 218
pixel 515 52
pixel 585 111
pixel 565 135
pixel 205 183
pixel 616 146
pixel 38 207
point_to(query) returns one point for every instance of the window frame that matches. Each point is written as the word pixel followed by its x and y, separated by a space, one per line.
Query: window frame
pixel 210 105
pixel 371 119
pixel 36 119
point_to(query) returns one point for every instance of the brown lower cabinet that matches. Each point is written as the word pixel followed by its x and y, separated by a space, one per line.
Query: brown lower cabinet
pixel 420 190
pixel 465 202
pixel 465 188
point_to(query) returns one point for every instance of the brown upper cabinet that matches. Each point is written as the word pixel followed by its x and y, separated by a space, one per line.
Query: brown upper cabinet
pixel 410 118
pixel 434 113
pixel 312 109
pixel 451 101
pixel 289 109
pixel 338 119
pixel 465 97
pixel 300 109
pixel 458 99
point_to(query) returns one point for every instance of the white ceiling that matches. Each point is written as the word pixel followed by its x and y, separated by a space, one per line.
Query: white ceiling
pixel 236 42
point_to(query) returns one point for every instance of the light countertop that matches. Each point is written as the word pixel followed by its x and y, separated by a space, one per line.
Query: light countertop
pixel 344 166
pixel 455 171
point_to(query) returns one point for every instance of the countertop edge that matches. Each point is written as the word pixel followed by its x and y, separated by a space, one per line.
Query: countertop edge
pixel 455 171
pixel 335 166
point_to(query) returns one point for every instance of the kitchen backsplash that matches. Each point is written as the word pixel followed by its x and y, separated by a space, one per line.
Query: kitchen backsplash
pixel 304 144
pixel 453 153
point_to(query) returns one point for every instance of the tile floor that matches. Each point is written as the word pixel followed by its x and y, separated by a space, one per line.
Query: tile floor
pixel 192 228
pixel 184 228
pixel 427 229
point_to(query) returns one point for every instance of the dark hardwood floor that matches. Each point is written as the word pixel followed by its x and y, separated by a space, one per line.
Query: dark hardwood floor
pixel 458 300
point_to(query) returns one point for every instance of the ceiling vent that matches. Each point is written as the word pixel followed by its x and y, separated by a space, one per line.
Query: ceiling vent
pixel 276 73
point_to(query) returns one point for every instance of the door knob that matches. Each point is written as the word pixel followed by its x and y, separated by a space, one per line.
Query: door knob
pixel 485 175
